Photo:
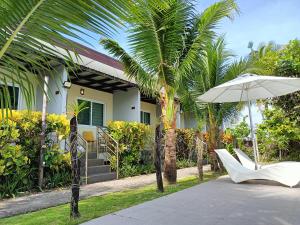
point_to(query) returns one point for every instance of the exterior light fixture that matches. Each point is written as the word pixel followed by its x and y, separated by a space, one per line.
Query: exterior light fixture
pixel 82 91
pixel 67 84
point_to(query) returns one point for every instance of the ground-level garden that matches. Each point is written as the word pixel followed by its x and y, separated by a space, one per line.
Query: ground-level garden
pixel 20 147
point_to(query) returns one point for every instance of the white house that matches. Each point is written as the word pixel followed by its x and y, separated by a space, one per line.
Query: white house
pixel 99 81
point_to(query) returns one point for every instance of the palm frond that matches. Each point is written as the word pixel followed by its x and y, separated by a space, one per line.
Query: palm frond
pixel 133 70
pixel 30 28
pixel 205 25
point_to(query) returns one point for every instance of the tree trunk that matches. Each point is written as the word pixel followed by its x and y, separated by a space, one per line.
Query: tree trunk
pixel 75 169
pixel 170 172
pixel 199 149
pixel 212 142
pixel 168 105
pixel 158 148
pixel 43 134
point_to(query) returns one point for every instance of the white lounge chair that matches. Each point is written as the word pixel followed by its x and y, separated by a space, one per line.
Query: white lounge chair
pixel 245 160
pixel 285 173
pixel 248 163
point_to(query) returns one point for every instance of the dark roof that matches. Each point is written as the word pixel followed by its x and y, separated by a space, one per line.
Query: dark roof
pixel 92 54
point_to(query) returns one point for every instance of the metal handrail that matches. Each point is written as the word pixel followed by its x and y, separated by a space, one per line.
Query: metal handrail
pixel 85 147
pixel 101 132
pixel 86 156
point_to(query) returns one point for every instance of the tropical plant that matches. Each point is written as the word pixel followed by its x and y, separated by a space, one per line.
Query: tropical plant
pixel 278 136
pixel 281 61
pixel 29 30
pixel 165 38
pixel 19 144
pixel 133 138
pixel 214 66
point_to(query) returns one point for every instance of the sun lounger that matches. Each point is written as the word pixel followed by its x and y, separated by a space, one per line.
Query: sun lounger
pixel 287 173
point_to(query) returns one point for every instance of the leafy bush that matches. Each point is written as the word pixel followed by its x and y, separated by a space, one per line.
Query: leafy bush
pixel 185 163
pixel 133 138
pixel 20 146
pixel 185 144
pixel 278 135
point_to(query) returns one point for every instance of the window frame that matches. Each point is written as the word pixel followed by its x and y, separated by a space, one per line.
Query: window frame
pixel 91 116
pixel 9 84
pixel 143 111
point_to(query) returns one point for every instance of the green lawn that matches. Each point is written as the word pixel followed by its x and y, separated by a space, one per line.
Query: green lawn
pixel 102 205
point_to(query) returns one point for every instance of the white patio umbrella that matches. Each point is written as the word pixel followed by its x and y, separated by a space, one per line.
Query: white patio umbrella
pixel 249 87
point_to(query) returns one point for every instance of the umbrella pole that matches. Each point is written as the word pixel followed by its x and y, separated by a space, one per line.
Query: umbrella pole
pixel 253 136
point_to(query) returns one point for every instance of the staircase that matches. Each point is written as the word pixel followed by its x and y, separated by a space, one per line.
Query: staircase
pixel 95 161
pixel 97 169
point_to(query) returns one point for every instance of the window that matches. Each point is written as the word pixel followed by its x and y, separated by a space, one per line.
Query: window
pixel 145 117
pixel 12 95
pixel 92 114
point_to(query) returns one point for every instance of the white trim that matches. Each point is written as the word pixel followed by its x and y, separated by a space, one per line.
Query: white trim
pixel 95 101
pixel 20 97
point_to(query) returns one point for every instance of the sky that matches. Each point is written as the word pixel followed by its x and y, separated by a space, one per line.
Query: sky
pixel 258 21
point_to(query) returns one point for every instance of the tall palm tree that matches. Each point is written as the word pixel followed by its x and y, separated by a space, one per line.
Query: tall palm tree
pixel 30 28
pixel 165 38
pixel 214 66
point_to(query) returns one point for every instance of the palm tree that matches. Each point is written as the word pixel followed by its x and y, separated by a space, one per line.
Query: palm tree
pixel 214 66
pixel 165 38
pixel 29 32
pixel 30 28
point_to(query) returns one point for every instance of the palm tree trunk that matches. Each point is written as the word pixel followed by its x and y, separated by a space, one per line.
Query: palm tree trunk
pixel 212 142
pixel 43 134
pixel 74 213
pixel 199 149
pixel 157 163
pixel 170 172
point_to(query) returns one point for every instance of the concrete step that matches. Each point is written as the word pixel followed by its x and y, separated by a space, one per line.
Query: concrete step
pixel 94 170
pixel 102 177
pixel 92 162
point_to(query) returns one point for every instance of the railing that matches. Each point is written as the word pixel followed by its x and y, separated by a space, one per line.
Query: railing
pixel 107 144
pixel 82 146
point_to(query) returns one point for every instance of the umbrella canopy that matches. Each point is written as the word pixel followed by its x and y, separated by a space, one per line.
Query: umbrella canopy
pixel 251 87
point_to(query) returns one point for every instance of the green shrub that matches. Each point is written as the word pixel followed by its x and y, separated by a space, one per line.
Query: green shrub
pixel 133 139
pixel 20 146
pixel 185 144
pixel 185 163
pixel 278 134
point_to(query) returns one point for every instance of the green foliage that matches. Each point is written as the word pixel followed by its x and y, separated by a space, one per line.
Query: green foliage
pixel 289 65
pixel 166 38
pixel 278 134
pixel 133 139
pixel 185 144
pixel 20 145
pixel 281 61
pixel 32 25
pixel 185 163
pixel 241 131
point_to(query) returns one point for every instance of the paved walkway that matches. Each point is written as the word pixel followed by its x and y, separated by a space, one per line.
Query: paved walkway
pixel 218 202
pixel 52 198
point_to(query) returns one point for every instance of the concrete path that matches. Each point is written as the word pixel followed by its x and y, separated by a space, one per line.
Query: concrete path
pixel 218 202
pixel 52 198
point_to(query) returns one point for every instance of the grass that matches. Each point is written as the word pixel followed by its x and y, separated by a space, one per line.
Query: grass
pixel 101 205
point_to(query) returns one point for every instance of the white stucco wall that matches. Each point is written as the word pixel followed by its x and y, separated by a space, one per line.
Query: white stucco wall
pixel 152 109
pixel 189 120
pixel 92 95
pixel 57 102
pixel 127 105
pixel 22 101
